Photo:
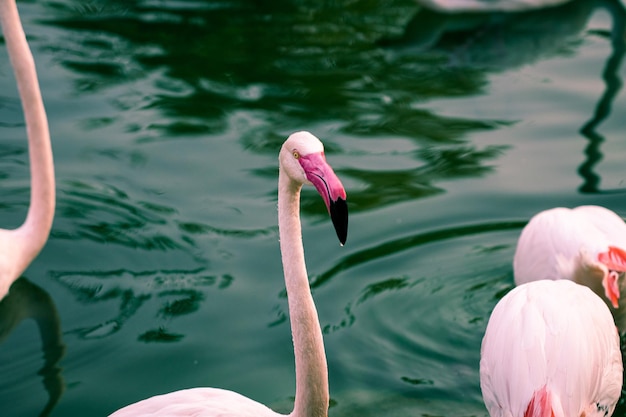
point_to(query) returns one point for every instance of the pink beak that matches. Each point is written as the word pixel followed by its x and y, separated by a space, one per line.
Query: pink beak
pixel 330 188
pixel 611 287
pixel 615 260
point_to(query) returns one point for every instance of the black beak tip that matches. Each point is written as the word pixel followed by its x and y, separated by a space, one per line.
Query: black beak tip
pixel 339 216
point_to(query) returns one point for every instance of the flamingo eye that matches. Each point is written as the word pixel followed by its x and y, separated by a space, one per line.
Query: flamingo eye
pixel 296 154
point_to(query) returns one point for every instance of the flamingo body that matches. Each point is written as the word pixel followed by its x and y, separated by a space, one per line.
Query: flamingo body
pixel 196 402
pixel 586 244
pixel 301 161
pixel 478 6
pixel 551 349
pixel 20 246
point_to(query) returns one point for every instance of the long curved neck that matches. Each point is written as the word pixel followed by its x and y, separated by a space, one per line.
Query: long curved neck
pixel 311 370
pixel 33 233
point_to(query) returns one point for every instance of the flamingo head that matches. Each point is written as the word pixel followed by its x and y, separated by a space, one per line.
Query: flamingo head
pixel 607 268
pixel 614 263
pixel 303 160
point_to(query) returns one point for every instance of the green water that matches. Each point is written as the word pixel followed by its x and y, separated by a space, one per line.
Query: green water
pixel 163 271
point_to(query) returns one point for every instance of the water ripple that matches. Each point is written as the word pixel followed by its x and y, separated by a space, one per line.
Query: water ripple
pixel 179 293
pixel 106 213
pixel 405 243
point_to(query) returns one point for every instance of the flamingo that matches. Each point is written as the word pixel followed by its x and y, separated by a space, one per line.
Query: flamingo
pixel 586 245
pixel 551 349
pixel 481 6
pixel 301 161
pixel 18 247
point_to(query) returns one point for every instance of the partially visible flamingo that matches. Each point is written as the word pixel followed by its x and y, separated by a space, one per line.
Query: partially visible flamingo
pixel 480 6
pixel 586 245
pixel 301 161
pixel 551 349
pixel 20 246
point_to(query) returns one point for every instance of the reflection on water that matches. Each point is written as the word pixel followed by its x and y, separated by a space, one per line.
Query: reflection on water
pixel 613 85
pixel 498 41
pixel 303 71
pixel 179 293
pixel 28 301
pixel 495 41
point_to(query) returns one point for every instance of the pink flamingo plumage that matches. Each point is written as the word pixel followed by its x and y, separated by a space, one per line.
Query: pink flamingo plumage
pixel 18 247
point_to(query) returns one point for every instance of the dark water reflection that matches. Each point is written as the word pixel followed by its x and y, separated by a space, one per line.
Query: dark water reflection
pixel 312 63
pixel 500 41
pixel 27 301
pixel 613 82
pixel 308 64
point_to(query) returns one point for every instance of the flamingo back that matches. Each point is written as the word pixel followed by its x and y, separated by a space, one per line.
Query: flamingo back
pixel 552 336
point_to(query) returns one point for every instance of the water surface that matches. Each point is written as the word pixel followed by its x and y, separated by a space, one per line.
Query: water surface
pixel 163 271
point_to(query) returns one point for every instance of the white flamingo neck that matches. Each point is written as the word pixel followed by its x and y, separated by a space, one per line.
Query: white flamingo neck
pixel 33 233
pixel 312 393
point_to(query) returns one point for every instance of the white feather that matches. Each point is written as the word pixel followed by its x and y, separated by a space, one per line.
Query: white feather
pixel 553 334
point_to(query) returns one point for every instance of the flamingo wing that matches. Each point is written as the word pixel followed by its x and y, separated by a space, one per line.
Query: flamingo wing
pixel 607 222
